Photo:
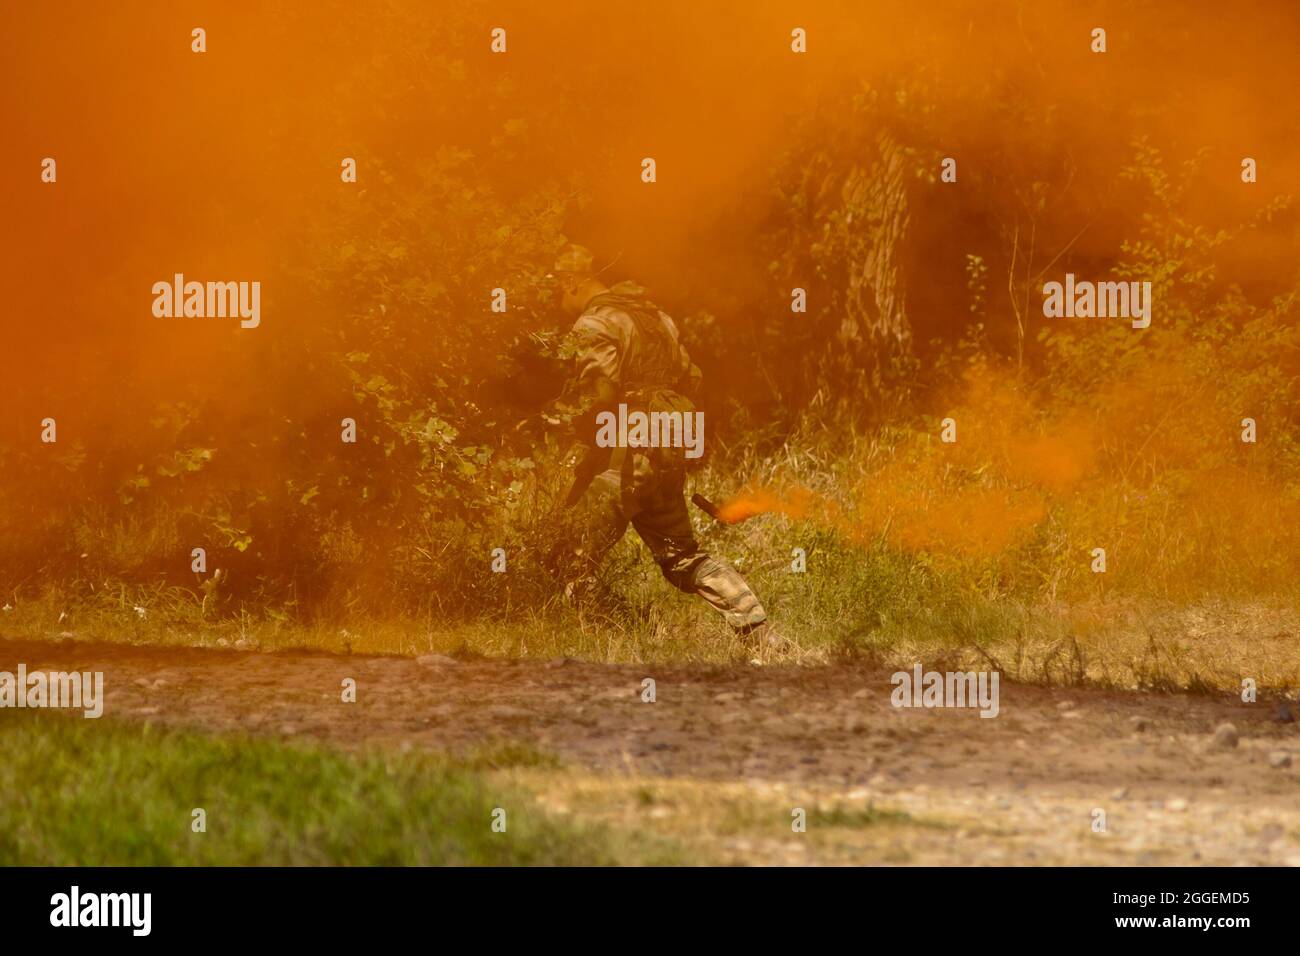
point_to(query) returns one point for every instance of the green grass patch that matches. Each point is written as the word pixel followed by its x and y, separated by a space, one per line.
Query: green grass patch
pixel 100 793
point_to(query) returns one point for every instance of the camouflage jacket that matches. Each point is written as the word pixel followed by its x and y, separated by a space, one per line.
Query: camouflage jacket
pixel 627 350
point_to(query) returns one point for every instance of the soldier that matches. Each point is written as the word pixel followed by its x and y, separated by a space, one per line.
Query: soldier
pixel 627 351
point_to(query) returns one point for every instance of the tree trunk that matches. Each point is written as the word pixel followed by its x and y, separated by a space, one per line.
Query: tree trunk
pixel 874 338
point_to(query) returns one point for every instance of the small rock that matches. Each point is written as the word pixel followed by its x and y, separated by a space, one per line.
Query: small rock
pixel 1225 736
pixel 141 682
pixel 727 697
pixel 1283 714
pixel 1176 805
pixel 1139 724
pixel 1071 714
pixel 1120 794
pixel 854 723
pixel 1065 705
pixel 1279 759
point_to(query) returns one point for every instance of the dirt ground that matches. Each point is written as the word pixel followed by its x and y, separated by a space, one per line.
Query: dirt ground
pixel 721 743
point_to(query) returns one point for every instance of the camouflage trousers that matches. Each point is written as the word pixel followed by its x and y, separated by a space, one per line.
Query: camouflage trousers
pixel 652 501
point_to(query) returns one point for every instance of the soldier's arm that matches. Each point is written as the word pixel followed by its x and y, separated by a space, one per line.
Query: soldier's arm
pixel 692 379
pixel 595 376
pixel 690 375
pixel 595 388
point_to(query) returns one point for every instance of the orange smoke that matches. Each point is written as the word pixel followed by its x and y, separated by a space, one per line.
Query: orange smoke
pixel 979 497
pixel 756 501
pixel 1147 466
pixel 976 522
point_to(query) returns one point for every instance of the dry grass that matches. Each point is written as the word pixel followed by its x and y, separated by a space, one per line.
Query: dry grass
pixel 1121 643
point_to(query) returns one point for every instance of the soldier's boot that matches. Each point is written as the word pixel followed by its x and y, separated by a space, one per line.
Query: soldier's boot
pixel 766 643
pixel 697 572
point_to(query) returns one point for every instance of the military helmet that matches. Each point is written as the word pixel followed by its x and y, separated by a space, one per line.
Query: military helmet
pixel 573 260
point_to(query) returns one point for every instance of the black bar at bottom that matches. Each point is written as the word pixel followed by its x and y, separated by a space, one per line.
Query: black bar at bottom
pixel 620 906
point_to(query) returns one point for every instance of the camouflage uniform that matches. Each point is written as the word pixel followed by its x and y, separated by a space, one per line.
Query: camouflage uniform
pixel 628 351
